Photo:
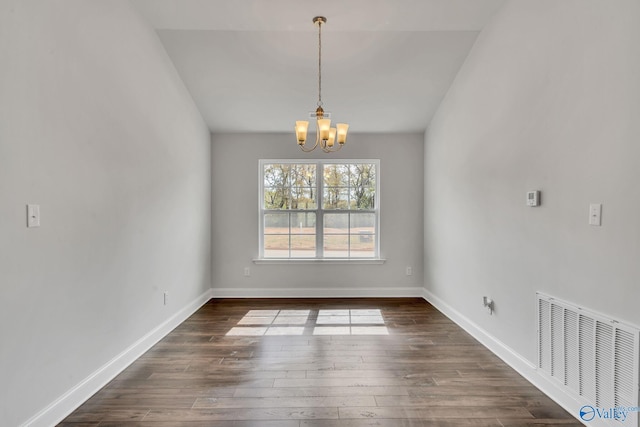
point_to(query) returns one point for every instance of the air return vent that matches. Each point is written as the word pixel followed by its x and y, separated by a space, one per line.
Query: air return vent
pixel 594 358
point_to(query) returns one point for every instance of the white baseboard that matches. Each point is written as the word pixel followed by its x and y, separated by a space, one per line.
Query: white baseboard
pixel 512 358
pixel 343 292
pixel 76 396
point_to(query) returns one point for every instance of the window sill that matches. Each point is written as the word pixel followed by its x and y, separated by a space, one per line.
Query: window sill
pixel 371 261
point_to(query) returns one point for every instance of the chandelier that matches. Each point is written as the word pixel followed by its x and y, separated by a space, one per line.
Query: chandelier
pixel 326 136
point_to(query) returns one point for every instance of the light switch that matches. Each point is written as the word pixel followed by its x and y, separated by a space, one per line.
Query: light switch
pixel 595 214
pixel 33 216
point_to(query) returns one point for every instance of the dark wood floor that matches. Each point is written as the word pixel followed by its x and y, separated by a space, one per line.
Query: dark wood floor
pixel 219 369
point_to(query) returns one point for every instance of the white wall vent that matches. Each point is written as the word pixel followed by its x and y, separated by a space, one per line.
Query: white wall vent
pixel 595 359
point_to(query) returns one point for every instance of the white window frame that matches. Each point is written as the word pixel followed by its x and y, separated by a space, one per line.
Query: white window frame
pixel 319 211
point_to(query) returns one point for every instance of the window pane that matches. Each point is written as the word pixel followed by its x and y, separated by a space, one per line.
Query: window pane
pixel 363 245
pixel 336 175
pixel 303 246
pixel 303 223
pixel 362 186
pixel 335 198
pixel 304 174
pixel 303 197
pixel 276 175
pixel 277 186
pixel 276 198
pixel 276 223
pixel 303 186
pixel 336 223
pixel 363 238
pixel 336 187
pixel 336 246
pixel 276 246
pixel 362 174
pixel 362 223
pixel 361 198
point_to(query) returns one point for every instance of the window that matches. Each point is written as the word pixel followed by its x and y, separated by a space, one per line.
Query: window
pixel 319 209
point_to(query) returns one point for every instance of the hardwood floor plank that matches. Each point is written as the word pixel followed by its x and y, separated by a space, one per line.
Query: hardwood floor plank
pixel 342 382
pixel 208 423
pixel 425 372
pixel 360 373
pixel 242 414
pixel 474 390
pixel 134 402
pixel 88 414
pixel 498 382
pixel 545 422
pixel 468 400
pixel 285 402
pixel 321 391
pixel 434 413
pixel 398 422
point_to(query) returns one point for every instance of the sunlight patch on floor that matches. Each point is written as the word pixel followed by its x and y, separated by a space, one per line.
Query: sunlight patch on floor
pixel 296 322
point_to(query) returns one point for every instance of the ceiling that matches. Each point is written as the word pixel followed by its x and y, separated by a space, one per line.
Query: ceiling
pixel 251 65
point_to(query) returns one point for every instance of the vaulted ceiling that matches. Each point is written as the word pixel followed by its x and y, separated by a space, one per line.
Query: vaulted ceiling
pixel 251 65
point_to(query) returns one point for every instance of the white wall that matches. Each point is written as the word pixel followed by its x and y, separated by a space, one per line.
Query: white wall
pixel 548 99
pixel 235 219
pixel 97 128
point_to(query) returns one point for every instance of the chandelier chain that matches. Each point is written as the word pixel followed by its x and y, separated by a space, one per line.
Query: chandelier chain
pixel 320 64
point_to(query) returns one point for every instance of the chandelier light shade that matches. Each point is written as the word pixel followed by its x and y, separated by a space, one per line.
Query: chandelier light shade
pixel 326 136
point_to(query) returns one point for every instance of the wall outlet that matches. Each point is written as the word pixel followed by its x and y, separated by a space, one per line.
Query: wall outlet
pixel 409 271
pixel 488 304
pixel 166 297
pixel 247 272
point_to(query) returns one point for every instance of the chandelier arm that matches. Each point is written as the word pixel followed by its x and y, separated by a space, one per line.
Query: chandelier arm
pixel 310 149
pixel 329 150
pixel 315 145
